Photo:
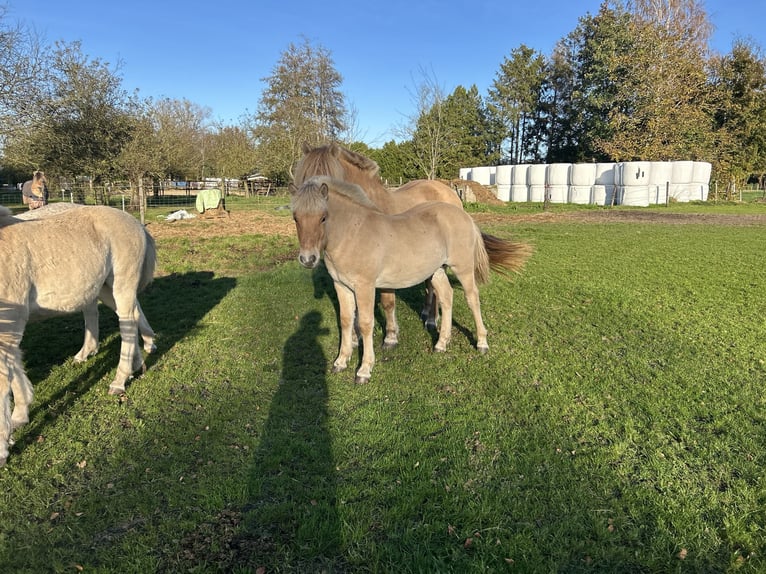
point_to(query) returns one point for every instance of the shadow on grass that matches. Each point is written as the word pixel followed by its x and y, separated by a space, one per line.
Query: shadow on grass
pixel 173 305
pixel 294 466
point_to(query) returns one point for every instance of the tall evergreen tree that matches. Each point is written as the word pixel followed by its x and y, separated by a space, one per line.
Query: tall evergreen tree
pixel 513 102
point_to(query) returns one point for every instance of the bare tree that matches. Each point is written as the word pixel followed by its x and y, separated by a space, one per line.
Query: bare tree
pixel 426 127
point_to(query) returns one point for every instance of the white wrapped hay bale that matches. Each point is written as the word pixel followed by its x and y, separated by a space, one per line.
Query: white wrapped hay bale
pixel 634 183
pixel 603 189
pixel 557 180
pixel 536 182
pixel 660 176
pixel 681 187
pixel 519 188
pixel 582 178
pixel 503 181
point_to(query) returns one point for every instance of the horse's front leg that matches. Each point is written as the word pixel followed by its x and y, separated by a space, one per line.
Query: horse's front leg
pixel 365 307
pixel 13 380
pixel 388 302
pixel 347 313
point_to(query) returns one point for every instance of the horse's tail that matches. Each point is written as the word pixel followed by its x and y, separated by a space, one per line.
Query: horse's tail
pixel 150 262
pixel 482 263
pixel 505 256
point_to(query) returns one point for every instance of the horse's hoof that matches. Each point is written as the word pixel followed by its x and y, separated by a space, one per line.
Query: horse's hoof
pixel 438 349
pixel 3 460
pixel 116 391
pixel 361 380
pixel 338 369
pixel 150 349
pixel 387 346
pixel 483 350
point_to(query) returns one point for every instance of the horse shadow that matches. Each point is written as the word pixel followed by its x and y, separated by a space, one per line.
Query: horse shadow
pixel 49 343
pixel 294 461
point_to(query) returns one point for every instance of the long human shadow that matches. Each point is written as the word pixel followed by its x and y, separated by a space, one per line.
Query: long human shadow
pixel 292 484
pixel 173 306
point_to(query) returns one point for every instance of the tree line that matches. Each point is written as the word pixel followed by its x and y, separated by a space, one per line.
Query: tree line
pixel 635 81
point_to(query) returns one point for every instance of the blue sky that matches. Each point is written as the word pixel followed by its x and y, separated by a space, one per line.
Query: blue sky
pixel 216 53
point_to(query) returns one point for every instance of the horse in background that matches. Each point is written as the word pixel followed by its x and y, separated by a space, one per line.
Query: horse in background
pixel 365 248
pixel 34 193
pixel 62 264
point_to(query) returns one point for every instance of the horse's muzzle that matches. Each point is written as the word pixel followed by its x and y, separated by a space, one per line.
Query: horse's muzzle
pixel 309 261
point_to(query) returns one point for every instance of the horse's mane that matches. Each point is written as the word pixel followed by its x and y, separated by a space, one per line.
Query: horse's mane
pixel 38 181
pixel 335 161
pixel 311 198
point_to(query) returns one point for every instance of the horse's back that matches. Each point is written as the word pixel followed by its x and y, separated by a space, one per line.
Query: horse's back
pixel 59 263
pixel 421 190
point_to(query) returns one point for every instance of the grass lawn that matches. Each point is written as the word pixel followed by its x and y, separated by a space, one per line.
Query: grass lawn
pixel 616 425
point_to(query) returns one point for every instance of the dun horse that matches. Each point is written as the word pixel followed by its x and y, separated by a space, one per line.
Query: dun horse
pixel 59 265
pixel 365 249
pixel 340 163
pixel 90 312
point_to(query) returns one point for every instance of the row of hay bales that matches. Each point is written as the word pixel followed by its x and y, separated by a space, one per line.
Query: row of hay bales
pixel 638 183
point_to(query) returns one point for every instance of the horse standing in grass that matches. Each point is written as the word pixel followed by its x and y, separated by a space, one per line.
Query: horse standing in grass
pixel 338 162
pixel 365 249
pixel 90 312
pixel 60 265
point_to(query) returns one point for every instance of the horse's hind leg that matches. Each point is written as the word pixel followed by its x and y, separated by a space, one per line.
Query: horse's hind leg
pixel 90 344
pixel 144 328
pixel 443 292
pixel 468 281
pixel 388 302
pixel 131 359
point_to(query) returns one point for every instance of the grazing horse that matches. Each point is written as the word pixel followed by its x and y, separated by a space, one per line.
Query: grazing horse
pixel 365 249
pixel 338 162
pixel 62 264
pixel 90 312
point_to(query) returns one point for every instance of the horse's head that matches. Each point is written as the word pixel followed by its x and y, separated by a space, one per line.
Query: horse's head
pixel 322 160
pixel 309 207
pixel 337 162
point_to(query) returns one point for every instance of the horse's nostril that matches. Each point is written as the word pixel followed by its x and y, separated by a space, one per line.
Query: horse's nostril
pixel 309 261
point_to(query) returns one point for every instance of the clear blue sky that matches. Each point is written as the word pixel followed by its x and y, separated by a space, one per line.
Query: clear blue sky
pixel 216 53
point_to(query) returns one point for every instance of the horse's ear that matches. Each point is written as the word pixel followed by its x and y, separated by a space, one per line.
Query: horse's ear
pixel 324 190
pixel 292 188
pixel 335 149
pixel 305 147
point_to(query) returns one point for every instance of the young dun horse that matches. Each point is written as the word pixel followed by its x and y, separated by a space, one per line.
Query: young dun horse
pixel 59 265
pixel 338 162
pixel 365 249
pixel 90 312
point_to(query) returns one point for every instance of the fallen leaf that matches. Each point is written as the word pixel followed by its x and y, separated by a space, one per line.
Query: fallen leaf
pixel 683 553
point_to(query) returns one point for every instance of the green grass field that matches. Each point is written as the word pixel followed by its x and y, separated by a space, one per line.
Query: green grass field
pixel 616 425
